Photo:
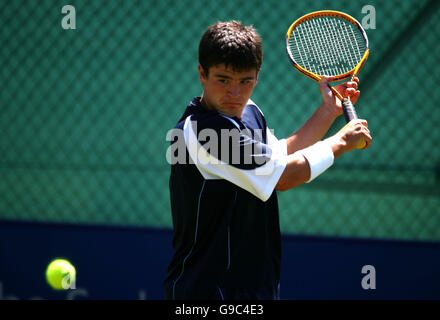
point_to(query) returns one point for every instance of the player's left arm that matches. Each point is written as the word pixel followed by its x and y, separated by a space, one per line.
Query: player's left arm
pixel 321 120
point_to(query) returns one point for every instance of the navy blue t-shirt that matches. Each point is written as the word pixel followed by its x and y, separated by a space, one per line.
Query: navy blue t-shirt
pixel 224 170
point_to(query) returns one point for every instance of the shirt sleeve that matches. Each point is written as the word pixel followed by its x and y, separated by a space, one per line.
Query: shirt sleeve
pixel 259 167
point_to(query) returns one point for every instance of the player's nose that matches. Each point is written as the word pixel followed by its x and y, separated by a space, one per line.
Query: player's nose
pixel 234 90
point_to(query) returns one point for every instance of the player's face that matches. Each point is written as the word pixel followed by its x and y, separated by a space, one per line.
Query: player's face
pixel 225 90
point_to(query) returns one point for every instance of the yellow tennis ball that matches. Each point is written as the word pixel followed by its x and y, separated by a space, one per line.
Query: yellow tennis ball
pixel 61 274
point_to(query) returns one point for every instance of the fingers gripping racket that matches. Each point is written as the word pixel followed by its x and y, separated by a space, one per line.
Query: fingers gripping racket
pixel 328 43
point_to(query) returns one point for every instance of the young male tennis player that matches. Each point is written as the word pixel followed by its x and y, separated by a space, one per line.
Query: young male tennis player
pixel 223 186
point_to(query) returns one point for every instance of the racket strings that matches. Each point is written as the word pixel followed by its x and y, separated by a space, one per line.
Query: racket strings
pixel 327 45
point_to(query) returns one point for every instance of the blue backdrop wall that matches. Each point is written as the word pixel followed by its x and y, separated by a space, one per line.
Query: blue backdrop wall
pixel 130 263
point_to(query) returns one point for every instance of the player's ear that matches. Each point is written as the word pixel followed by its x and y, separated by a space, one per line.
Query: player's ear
pixel 202 74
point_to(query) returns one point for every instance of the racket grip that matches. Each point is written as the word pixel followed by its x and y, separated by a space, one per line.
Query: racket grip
pixel 350 114
pixel 348 109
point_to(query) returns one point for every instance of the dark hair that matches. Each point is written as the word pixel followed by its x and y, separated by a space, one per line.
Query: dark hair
pixel 233 44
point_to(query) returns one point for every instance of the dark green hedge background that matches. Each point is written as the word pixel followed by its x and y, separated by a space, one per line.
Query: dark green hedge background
pixel 85 112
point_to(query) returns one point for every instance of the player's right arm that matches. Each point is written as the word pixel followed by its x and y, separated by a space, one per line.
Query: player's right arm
pixel 306 164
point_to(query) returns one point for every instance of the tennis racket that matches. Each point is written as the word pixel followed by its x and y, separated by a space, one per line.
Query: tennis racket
pixel 332 44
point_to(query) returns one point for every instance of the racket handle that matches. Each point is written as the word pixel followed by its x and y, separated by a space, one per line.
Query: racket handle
pixel 348 109
pixel 350 114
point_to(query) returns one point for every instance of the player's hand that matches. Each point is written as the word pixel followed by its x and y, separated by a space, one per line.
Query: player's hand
pixel 350 137
pixel 347 89
pixel 354 133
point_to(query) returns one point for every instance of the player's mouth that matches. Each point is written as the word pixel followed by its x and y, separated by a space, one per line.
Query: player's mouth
pixel 232 104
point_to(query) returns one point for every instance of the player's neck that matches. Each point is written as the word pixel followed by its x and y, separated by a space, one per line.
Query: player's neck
pixel 205 104
pixel 208 106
